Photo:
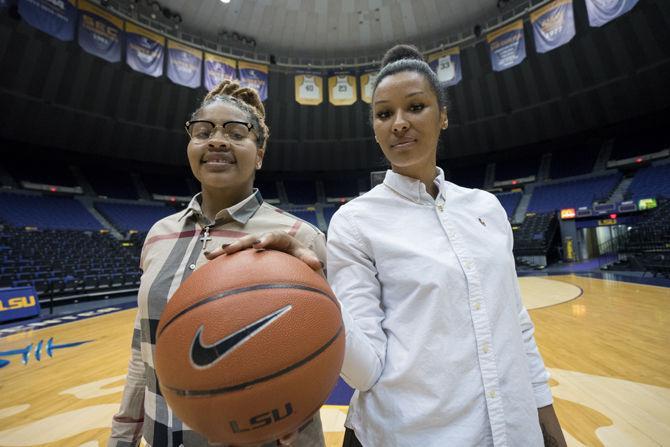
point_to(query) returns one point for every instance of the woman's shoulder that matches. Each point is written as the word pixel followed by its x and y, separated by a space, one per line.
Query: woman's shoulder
pixel 269 216
pixel 470 194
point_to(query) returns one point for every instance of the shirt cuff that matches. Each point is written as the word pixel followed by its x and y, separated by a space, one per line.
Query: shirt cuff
pixel 361 363
pixel 543 395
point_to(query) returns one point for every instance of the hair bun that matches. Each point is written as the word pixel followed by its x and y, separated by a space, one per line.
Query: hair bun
pixel 400 52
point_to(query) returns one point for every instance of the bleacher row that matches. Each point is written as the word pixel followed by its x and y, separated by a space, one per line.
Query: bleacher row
pixel 59 245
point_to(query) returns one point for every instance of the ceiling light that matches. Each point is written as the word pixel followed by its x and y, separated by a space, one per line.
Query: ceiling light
pixel 225 1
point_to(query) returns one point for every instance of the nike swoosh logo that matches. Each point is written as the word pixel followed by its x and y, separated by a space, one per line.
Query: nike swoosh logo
pixel 204 356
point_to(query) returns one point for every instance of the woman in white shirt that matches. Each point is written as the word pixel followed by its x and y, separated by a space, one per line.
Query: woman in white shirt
pixel 440 348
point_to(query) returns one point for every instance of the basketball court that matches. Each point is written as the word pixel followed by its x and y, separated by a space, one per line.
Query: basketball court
pixel 604 341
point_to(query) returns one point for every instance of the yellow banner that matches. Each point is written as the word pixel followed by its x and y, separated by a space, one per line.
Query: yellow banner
pixel 342 90
pixel 367 81
pixel 308 89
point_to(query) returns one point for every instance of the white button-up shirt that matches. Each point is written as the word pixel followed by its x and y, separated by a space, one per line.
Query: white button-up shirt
pixel 439 345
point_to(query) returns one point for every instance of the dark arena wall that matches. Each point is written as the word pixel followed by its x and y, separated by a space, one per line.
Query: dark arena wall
pixel 54 94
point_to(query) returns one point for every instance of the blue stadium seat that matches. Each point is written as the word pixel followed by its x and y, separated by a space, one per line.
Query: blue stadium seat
pixel 573 193
pixel 653 181
pixel 509 201
pixel 46 212
pixel 133 217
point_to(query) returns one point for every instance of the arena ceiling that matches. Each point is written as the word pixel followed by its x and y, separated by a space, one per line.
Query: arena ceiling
pixel 336 28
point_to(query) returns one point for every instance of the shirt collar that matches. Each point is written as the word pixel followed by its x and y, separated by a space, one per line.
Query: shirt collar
pixel 414 189
pixel 240 212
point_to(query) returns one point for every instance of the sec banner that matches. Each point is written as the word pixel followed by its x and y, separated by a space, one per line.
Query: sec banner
pixel 145 50
pixel 507 46
pixel 184 64
pixel 100 32
pixel 254 76
pixel 447 65
pixel 603 11
pixel 218 69
pixel 56 18
pixel 553 25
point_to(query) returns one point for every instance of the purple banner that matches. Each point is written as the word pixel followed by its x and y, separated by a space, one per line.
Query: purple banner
pixel 218 69
pixel 254 76
pixel 553 25
pixel 507 46
pixel 603 11
pixel 100 32
pixel 56 17
pixel 184 64
pixel 145 50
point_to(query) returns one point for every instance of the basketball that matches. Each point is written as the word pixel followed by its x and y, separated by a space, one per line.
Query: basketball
pixel 249 347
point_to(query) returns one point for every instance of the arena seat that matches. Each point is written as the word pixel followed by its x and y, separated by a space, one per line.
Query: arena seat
pixel 133 216
pixel 54 212
pixel 509 201
pixel 652 181
pixel 572 193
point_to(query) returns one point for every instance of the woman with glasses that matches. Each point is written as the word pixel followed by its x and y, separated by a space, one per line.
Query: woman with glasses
pixel 440 348
pixel 227 143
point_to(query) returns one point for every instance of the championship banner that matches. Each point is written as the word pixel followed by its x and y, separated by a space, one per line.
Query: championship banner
pixel 367 82
pixel 218 69
pixel 342 89
pixel 145 50
pixel 184 64
pixel 447 65
pixel 553 25
pixel 100 32
pixel 308 89
pixel 18 302
pixel 507 46
pixel 254 76
pixel 603 11
pixel 56 18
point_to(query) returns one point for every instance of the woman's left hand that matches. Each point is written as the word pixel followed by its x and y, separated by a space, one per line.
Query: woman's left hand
pixel 275 240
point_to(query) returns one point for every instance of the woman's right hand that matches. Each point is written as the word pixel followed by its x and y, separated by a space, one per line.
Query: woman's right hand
pixel 274 240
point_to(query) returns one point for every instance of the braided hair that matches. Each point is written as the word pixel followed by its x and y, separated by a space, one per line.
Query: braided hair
pixel 244 98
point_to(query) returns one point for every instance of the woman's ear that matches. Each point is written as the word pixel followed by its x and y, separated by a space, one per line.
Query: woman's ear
pixel 260 153
pixel 444 120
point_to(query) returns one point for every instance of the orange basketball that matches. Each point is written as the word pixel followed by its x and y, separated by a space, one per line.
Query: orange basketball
pixel 249 347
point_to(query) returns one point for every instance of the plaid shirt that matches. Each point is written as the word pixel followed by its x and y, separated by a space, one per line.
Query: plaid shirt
pixel 172 250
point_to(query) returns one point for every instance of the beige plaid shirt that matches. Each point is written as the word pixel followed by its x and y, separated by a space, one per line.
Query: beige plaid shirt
pixel 173 248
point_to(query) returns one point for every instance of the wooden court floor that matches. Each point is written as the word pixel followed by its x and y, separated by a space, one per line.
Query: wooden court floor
pixel 607 348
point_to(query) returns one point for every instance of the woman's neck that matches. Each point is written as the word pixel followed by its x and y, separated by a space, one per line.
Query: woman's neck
pixel 425 176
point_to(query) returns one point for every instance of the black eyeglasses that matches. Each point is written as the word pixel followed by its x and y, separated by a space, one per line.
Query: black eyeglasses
pixel 234 131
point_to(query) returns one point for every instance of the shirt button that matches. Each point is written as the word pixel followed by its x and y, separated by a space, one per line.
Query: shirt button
pixel 478 306
pixel 192 266
pixel 492 394
pixel 468 265
pixel 485 348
